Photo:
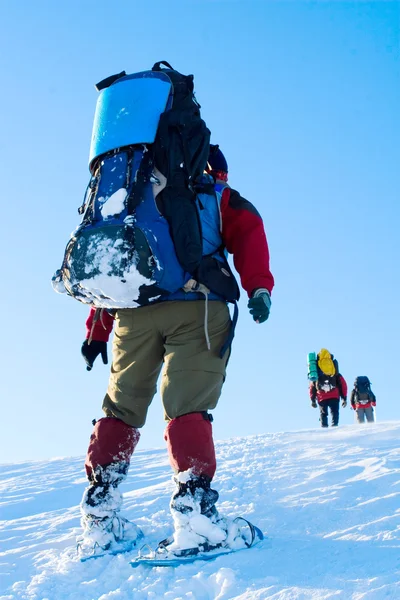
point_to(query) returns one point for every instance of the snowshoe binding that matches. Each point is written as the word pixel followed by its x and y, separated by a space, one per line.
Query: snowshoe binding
pixel 240 534
pixel 199 530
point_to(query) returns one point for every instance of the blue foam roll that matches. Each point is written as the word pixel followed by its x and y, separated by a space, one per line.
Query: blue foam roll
pixel 128 112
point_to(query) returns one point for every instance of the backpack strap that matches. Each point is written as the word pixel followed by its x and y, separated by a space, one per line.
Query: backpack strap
pixel 140 178
pixel 157 65
pixel 231 334
pixel 219 189
pixel 105 83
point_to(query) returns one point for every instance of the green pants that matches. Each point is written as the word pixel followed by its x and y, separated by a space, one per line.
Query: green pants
pixel 173 334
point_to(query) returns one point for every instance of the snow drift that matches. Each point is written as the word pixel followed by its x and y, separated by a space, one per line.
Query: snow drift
pixel 328 500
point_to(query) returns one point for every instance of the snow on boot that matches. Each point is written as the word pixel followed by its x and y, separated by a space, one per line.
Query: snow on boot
pixel 197 524
pixel 101 500
pixel 104 530
pixel 105 535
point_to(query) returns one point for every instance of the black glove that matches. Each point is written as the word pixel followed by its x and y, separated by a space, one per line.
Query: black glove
pixel 260 305
pixel 313 404
pixel 91 351
pixel 344 403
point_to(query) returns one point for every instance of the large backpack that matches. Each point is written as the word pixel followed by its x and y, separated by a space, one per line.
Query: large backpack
pixel 328 382
pixel 362 386
pixel 148 201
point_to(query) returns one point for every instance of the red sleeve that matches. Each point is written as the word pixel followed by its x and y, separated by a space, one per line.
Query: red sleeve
pixel 244 237
pixel 312 390
pixel 343 386
pixel 99 328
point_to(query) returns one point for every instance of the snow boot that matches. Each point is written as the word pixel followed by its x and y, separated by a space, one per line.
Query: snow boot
pixel 199 530
pixel 196 494
pixel 104 530
pixel 197 523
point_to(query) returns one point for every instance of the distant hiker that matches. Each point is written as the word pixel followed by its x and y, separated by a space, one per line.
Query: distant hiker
pixel 185 218
pixel 328 388
pixel 363 400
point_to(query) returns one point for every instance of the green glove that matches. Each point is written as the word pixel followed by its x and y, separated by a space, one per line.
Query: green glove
pixel 259 305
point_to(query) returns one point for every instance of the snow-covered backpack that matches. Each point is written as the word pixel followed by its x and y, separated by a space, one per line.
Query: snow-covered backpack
pixel 362 387
pixel 150 217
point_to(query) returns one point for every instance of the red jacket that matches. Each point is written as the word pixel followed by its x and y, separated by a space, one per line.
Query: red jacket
pixel 356 402
pixel 244 237
pixel 340 391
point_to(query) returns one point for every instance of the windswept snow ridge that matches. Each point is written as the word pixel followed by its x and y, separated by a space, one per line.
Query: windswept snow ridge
pixel 328 500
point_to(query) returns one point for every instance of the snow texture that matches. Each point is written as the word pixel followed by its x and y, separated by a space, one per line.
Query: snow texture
pixel 104 256
pixel 115 204
pixel 328 500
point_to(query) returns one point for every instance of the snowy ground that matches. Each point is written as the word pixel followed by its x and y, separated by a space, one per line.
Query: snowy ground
pixel 327 499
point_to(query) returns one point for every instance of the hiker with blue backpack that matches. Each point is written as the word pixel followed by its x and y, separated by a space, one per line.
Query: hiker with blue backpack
pixel 326 387
pixel 363 400
pixel 150 258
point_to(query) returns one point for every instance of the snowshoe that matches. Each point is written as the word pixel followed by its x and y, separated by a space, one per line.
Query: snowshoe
pixel 240 534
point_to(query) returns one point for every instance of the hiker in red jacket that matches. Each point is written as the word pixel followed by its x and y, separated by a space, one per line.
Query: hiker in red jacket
pixel 184 334
pixel 363 400
pixel 328 389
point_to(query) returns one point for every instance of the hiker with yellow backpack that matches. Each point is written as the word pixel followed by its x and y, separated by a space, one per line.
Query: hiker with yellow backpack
pixel 327 386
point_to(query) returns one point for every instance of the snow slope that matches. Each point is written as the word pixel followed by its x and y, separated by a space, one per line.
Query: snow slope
pixel 327 499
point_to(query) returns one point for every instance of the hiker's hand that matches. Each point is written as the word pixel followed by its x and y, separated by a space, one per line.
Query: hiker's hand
pixel 373 403
pixel 313 404
pixel 259 305
pixel 91 351
pixel 353 406
pixel 344 403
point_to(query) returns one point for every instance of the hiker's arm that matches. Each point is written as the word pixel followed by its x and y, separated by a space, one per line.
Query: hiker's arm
pixel 342 387
pixel 353 398
pixel 244 237
pixel 99 330
pixel 312 389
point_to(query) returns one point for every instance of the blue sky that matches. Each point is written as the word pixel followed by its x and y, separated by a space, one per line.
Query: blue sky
pixel 303 98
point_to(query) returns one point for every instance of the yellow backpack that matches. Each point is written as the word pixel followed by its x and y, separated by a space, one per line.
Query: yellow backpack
pixel 325 362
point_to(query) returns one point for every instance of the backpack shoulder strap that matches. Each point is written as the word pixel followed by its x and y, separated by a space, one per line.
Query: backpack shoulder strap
pixel 336 365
